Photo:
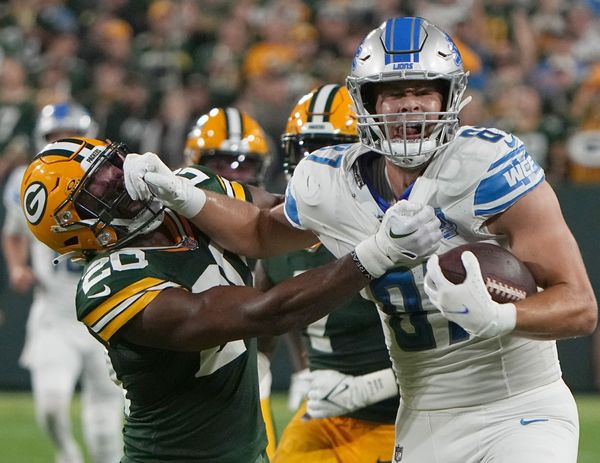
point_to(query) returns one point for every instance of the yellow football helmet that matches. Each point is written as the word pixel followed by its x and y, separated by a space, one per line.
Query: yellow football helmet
pixel 231 143
pixel 323 117
pixel 74 198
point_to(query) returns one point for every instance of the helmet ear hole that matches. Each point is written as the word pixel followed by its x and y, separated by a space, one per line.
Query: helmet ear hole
pixel 367 93
pixel 74 240
pixel 443 87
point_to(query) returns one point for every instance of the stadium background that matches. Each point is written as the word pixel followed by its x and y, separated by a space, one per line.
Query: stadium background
pixel 147 69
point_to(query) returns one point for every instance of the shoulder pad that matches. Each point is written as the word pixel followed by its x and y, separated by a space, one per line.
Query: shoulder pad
pixel 312 180
pixel 492 164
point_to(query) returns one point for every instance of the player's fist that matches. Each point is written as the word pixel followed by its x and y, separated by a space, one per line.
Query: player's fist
pixel 408 234
pixel 469 304
pixel 333 393
pixel 146 176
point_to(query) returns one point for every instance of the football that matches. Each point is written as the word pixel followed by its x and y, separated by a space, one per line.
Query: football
pixel 507 278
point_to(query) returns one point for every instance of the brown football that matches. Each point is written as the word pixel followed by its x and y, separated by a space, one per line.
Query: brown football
pixel 507 278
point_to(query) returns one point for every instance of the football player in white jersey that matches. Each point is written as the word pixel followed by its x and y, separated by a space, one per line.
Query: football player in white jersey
pixel 58 350
pixel 479 381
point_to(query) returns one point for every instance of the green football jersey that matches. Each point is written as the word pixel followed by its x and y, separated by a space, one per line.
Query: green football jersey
pixel 350 339
pixel 184 406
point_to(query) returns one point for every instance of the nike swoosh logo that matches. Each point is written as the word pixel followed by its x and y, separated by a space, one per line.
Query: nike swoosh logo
pixel 464 310
pixel 394 236
pixel 340 391
pixel 104 292
pixel 525 422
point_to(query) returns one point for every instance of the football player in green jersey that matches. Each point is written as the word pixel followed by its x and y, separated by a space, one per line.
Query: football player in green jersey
pixel 172 307
pixel 351 385
pixel 234 145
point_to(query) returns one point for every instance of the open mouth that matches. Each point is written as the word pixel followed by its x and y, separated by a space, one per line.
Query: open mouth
pixel 413 130
pixel 410 131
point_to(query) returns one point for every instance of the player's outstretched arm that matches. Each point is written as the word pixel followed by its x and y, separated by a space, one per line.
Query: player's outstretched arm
pixel 239 226
pixel 180 320
pixel 247 230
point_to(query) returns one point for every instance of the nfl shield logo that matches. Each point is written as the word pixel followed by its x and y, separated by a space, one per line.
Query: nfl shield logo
pixel 398 451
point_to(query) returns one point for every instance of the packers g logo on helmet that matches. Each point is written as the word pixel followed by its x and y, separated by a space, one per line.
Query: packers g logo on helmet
pixel 35 199
pixel 231 143
pixel 323 117
pixel 74 199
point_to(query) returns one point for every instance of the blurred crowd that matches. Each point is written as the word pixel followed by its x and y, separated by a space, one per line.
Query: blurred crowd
pixel 147 69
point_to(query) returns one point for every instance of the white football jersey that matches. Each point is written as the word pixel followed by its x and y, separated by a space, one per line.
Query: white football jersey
pixel 54 294
pixel 480 174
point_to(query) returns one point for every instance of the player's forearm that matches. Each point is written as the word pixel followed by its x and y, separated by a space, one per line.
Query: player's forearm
pixel 231 223
pixel 562 311
pixel 306 298
pixel 243 228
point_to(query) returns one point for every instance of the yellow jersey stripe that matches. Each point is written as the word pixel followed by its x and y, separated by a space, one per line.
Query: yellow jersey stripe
pixel 108 321
pixel 113 301
pixel 132 310
pixel 238 191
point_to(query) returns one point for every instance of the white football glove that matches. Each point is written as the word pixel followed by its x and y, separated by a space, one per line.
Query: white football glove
pixel 469 304
pixel 299 386
pixel 146 176
pixel 408 233
pixel 333 393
